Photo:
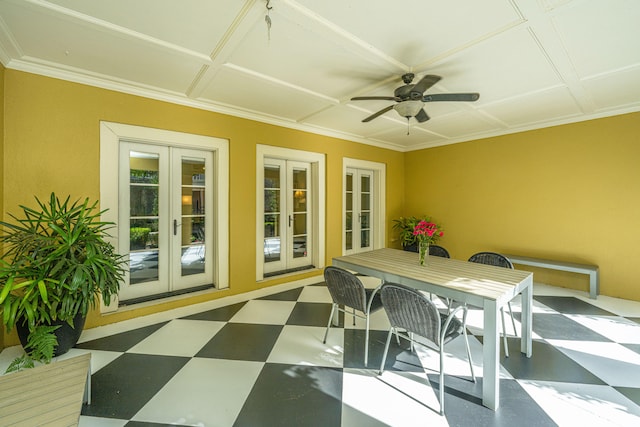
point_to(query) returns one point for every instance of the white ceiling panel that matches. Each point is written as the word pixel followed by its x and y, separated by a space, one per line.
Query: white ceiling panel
pixel 456 124
pixel 534 108
pixel 535 63
pixel 82 46
pixel 298 55
pixel 600 36
pixel 603 89
pixel 412 31
pixel 208 20
pixel 250 93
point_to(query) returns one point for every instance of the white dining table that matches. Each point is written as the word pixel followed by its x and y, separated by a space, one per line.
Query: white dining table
pixel 476 284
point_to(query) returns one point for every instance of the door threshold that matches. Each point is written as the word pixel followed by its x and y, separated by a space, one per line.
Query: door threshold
pixel 156 297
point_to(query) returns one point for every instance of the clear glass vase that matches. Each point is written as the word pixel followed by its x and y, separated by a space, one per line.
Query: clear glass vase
pixel 423 252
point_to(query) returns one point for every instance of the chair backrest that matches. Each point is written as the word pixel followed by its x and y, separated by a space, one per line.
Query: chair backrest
pixel 436 250
pixel 491 258
pixel 345 288
pixel 410 309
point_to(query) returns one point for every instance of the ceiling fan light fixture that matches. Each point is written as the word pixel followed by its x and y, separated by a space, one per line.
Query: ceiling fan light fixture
pixel 408 108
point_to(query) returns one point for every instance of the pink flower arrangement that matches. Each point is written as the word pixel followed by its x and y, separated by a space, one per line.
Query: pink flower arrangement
pixel 427 232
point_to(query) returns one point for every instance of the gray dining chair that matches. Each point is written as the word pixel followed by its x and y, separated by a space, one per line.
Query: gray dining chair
pixel 437 250
pixel 411 313
pixel 499 260
pixel 348 291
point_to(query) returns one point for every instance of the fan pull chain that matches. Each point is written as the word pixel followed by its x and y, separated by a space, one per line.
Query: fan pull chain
pixel 408 126
pixel 267 19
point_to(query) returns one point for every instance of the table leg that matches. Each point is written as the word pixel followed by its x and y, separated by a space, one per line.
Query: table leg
pixel 526 345
pixel 491 356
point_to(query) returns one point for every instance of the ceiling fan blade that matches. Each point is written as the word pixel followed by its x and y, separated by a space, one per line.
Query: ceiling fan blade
pixel 468 97
pixel 379 113
pixel 373 98
pixel 425 83
pixel 422 116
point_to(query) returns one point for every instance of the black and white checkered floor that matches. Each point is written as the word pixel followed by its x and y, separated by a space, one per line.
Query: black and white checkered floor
pixel 262 362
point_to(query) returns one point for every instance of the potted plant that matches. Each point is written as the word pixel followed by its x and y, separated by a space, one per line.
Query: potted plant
pixel 56 264
pixel 405 227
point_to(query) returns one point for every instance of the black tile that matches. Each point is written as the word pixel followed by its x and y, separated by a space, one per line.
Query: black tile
pixel 463 403
pixel 122 341
pixel 632 394
pixel 633 347
pixel 290 295
pixel 294 395
pixel 221 314
pixel 242 341
pixel 546 363
pixel 571 305
pixel 560 327
pixel 124 386
pixel 399 358
pixel 310 314
pixel 147 424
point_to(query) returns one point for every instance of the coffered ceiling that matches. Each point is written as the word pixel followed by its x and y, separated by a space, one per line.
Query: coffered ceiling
pixel 535 63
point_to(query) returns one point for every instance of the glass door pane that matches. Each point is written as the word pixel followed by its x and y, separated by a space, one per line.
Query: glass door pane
pixel 365 210
pixel 144 192
pixel 192 257
pixel 358 210
pixel 144 186
pixel 275 216
pixel 192 235
pixel 299 193
pixel 348 212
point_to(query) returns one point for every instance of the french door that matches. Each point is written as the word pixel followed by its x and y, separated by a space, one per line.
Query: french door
pixel 358 211
pixel 287 215
pixel 165 217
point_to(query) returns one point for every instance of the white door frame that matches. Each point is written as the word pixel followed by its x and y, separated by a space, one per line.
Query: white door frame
pixel 110 136
pixel 317 187
pixel 378 188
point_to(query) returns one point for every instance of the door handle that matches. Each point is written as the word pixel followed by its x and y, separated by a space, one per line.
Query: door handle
pixel 175 227
pixel 290 220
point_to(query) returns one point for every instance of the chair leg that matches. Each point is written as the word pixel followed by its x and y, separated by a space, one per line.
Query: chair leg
pixel 366 341
pixel 386 349
pixel 466 341
pixel 504 335
pixel 513 322
pixel 442 379
pixel 333 308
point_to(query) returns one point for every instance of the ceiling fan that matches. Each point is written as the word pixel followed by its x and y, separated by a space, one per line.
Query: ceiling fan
pixel 410 98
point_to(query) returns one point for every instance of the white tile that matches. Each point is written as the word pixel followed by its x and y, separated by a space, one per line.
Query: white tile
pixel 99 358
pixel 264 312
pixel 384 399
pixel 617 329
pixel 302 345
pixel 612 363
pixel 455 362
pixel 377 321
pixel 204 392
pixel 101 422
pixel 315 294
pixel 570 404
pixel 179 338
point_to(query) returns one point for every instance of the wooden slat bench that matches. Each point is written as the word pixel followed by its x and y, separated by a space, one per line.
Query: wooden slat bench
pixel 47 395
pixel 592 270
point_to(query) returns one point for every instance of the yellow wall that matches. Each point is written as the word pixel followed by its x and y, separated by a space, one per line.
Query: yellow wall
pixel 569 193
pixel 52 144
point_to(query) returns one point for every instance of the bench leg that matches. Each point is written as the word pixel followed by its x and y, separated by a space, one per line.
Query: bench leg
pixel 594 284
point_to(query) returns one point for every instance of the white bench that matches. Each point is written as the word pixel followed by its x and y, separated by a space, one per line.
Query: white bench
pixel 592 270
